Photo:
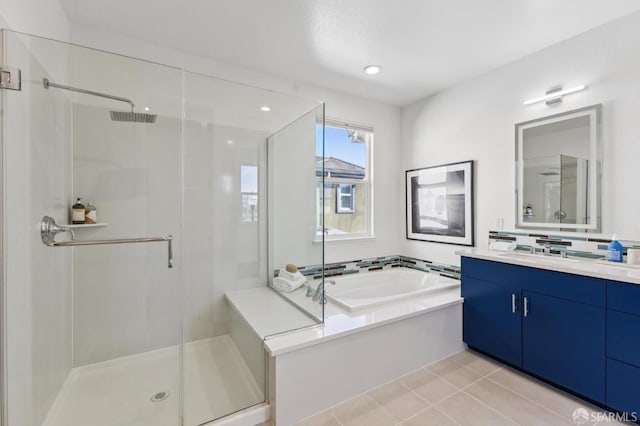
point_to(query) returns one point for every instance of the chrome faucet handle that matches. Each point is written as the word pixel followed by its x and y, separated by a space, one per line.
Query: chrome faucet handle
pixel 310 289
pixel 318 295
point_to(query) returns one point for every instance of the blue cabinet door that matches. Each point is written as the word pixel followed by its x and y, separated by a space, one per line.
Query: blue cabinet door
pixel 564 342
pixel 491 320
pixel 623 392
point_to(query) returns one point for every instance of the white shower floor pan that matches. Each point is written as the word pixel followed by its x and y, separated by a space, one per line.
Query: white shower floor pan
pixel 119 392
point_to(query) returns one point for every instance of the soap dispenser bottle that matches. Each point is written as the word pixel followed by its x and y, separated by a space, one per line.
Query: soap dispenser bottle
pixel 614 250
pixel 77 212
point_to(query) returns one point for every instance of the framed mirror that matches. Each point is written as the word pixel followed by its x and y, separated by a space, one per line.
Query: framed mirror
pixel 558 168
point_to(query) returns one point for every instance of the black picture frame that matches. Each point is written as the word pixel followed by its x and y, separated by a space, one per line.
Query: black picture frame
pixel 440 204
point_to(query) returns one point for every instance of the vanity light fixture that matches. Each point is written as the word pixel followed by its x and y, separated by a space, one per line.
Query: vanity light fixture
pixel 555 95
pixel 372 69
pixel 265 108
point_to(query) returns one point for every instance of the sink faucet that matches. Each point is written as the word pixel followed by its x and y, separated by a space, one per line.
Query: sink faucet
pixel 318 295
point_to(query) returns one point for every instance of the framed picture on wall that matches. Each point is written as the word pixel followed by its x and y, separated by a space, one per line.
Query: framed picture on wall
pixel 440 204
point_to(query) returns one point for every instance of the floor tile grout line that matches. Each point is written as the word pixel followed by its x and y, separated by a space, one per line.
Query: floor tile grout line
pixel 380 405
pixel 406 387
pixel 447 416
pixel 459 388
pixel 429 403
pixel 490 407
pixel 410 417
pixel 530 400
pixel 470 396
pixel 471 369
pixel 336 418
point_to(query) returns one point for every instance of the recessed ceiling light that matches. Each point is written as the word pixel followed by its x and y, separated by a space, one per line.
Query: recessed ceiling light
pixel 230 142
pixel 265 108
pixel 372 69
pixel 146 109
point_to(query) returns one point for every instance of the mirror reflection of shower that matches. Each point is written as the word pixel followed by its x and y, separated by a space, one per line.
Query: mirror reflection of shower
pixel 556 189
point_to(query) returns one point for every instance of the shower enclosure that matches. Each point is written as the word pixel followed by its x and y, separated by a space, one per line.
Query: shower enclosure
pixel 125 322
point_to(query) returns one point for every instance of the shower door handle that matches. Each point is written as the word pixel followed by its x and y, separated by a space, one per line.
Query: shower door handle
pixel 49 229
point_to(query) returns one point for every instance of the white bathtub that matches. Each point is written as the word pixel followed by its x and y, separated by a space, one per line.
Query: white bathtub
pixel 358 291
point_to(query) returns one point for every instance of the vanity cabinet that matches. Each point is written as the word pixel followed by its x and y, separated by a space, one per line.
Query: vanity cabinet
pixel 548 323
pixel 564 341
pixel 623 346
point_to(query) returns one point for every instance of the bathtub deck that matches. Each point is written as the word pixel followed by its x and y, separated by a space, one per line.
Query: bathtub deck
pixel 340 323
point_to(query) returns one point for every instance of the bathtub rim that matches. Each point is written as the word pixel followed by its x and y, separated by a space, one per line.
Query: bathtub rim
pixel 342 283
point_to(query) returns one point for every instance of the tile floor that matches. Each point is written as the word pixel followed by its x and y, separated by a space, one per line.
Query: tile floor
pixel 465 389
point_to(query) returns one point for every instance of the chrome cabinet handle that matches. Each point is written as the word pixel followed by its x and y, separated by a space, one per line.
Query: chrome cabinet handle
pixel 526 307
pixel 513 303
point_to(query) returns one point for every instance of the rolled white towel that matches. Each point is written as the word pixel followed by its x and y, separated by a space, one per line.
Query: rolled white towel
pixel 291 276
pixel 286 286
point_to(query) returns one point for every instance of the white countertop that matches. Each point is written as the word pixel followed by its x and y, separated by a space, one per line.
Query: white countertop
pixel 577 266
pixel 266 312
pixel 339 323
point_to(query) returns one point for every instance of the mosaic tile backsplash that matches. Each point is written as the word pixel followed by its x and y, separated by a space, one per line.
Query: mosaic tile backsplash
pixel 577 246
pixel 377 264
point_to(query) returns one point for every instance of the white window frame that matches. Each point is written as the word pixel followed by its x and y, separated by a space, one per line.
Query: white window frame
pixel 366 183
pixel 340 195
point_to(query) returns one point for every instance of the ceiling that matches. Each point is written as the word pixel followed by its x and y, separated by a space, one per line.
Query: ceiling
pixel 423 46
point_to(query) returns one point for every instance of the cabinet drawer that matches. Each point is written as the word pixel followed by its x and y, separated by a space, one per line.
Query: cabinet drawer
pixel 623 392
pixel 577 288
pixel 623 297
pixel 622 337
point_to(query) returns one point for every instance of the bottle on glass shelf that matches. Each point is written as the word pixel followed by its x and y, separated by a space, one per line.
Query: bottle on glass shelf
pixel 77 212
pixel 90 214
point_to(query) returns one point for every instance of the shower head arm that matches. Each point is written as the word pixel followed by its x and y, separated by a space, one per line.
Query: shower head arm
pixel 47 83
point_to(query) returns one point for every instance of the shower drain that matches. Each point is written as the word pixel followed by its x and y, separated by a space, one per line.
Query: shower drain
pixel 159 396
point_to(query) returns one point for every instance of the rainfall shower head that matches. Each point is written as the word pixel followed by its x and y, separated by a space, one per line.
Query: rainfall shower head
pixel 130 117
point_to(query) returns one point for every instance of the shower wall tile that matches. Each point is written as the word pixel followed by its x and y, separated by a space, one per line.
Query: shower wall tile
pixel 220 252
pixel 124 295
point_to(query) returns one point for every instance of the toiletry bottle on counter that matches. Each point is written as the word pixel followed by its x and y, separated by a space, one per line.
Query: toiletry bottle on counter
pixel 614 250
pixel 90 214
pixel 77 212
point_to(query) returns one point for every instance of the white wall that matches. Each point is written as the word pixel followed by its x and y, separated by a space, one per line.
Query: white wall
pixel 385 120
pixel 45 18
pixel 37 279
pixel 475 121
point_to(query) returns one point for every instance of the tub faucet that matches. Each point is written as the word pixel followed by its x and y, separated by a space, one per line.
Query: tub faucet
pixel 318 295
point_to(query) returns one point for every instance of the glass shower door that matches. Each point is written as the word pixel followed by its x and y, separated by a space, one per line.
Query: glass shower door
pixel 92 333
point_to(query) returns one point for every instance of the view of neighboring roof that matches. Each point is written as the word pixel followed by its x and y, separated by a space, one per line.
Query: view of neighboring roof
pixel 337 168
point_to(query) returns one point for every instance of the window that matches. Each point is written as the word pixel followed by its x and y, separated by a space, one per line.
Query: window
pixel 344 180
pixel 345 197
pixel 249 191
